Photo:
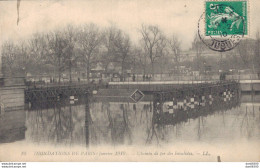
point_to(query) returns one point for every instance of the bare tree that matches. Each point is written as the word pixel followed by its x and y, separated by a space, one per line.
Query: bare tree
pixel 242 52
pixel 109 45
pixel 122 49
pixel 57 47
pixel 24 61
pixel 25 56
pixel 37 48
pixel 70 38
pixel 246 52
pixel 163 62
pixel 90 40
pixel 138 58
pixel 154 42
pixel 199 47
pixel 175 47
pixel 9 55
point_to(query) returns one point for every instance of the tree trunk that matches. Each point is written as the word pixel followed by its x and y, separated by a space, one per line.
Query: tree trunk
pixel 88 70
pixel 152 69
pixel 59 69
pixel 145 65
pixel 198 64
pixel 70 70
pixel 122 68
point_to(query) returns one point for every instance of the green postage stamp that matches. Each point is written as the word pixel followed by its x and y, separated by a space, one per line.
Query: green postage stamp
pixel 223 24
pixel 224 18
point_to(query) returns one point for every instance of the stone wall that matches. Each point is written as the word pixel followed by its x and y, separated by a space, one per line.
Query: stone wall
pixel 12 98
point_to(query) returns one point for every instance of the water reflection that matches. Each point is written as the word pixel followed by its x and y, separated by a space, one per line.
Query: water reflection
pixel 173 112
pixel 12 126
pixel 92 122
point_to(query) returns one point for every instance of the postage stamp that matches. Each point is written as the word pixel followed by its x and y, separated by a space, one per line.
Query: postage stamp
pixel 226 18
pixel 223 24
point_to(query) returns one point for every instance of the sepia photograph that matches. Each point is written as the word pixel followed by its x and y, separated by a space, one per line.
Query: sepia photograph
pixel 129 81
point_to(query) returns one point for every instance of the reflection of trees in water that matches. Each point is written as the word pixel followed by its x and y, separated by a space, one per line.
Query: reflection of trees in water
pixel 177 129
pixel 157 131
pixel 165 123
pixel 249 124
pixel 121 121
pixel 119 127
pixel 96 130
pixel 141 121
pixel 88 121
pixel 62 125
pixel 200 127
pixel 38 123
pixel 152 133
pixel 201 121
pixel 247 119
pixel 56 124
pixel 103 123
pixel 126 123
pixel 145 120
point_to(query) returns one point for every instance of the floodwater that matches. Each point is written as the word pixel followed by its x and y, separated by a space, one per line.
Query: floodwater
pixel 188 129
pixel 90 122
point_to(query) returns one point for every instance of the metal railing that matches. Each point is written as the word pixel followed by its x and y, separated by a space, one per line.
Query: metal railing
pixel 142 78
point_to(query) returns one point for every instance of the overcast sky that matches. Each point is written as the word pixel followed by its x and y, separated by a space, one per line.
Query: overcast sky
pixel 172 16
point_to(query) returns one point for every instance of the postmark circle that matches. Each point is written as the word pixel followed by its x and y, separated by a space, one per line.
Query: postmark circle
pixel 222 38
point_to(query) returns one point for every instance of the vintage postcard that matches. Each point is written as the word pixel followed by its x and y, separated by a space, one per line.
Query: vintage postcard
pixel 130 80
